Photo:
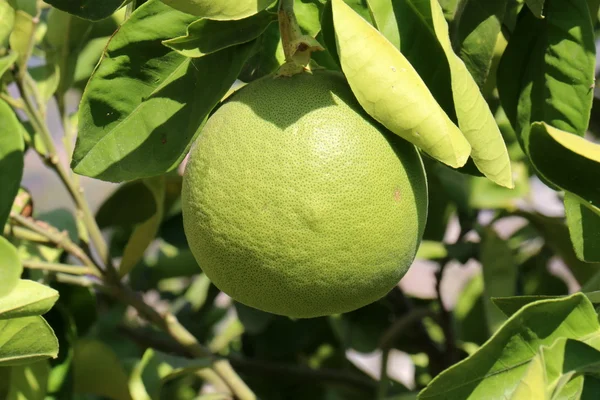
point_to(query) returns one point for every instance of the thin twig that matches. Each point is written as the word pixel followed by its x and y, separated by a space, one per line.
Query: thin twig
pixel 57 267
pixel 53 161
pixel 149 339
pixel 401 325
pixel 171 325
pixel 21 233
pixel 60 239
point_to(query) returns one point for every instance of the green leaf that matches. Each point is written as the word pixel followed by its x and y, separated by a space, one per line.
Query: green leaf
pixel 64 40
pixel 155 368
pixel 583 221
pixel 92 360
pixel 499 274
pixel 131 204
pixel 94 10
pixel 29 382
pixel 483 193
pixel 533 383
pixel 26 340
pixel 569 161
pixel 565 358
pixel 430 250
pixel 27 299
pixel 144 233
pixel 10 268
pixel 556 237
pixel 556 64
pixel 47 79
pixel 22 37
pixel 11 161
pixel 478 27
pixel 119 134
pixel 496 369
pixel 536 7
pixel 7 62
pixel 221 10
pixel 384 19
pixel 591 388
pixel 7 22
pixel 88 58
pixel 510 305
pixel 206 36
pixel 391 91
pixel 475 118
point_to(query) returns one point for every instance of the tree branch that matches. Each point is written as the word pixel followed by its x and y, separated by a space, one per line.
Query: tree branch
pixel 60 239
pixel 57 267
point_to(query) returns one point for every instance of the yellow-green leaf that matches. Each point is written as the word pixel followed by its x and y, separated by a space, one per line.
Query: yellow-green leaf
pixel 475 118
pixel 221 10
pixel 10 268
pixel 533 383
pixel 391 91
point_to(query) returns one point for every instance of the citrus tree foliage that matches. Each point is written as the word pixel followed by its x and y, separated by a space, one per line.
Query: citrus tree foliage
pixel 497 95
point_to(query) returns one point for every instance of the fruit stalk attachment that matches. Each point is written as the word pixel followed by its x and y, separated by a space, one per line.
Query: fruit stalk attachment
pixel 297 47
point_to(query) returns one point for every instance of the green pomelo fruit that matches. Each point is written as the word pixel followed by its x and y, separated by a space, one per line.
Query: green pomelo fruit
pixel 296 202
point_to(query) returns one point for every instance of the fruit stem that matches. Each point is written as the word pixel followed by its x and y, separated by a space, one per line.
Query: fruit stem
pixel 296 46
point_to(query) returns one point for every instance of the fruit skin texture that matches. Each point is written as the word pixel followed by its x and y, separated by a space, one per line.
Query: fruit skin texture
pixel 297 203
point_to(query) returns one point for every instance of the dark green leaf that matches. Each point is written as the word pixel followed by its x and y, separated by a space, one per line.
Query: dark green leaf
pixel 556 236
pixel 94 10
pixel 145 232
pixel 118 135
pixel 26 340
pixel 478 27
pixel 131 204
pixel 496 369
pixel 113 382
pixel 583 221
pixel 27 299
pixel 11 160
pixel 206 36
pixel 499 275
pixel 555 57
pixel 222 10
pixel 536 7
pixel 10 268
pixel 568 161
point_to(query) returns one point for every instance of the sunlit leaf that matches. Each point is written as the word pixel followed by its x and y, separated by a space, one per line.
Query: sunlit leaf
pixel 391 91
pixel 220 10
pixel 27 299
pixel 10 269
pixel 22 37
pixel 496 369
pixel 163 98
pixel 26 340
